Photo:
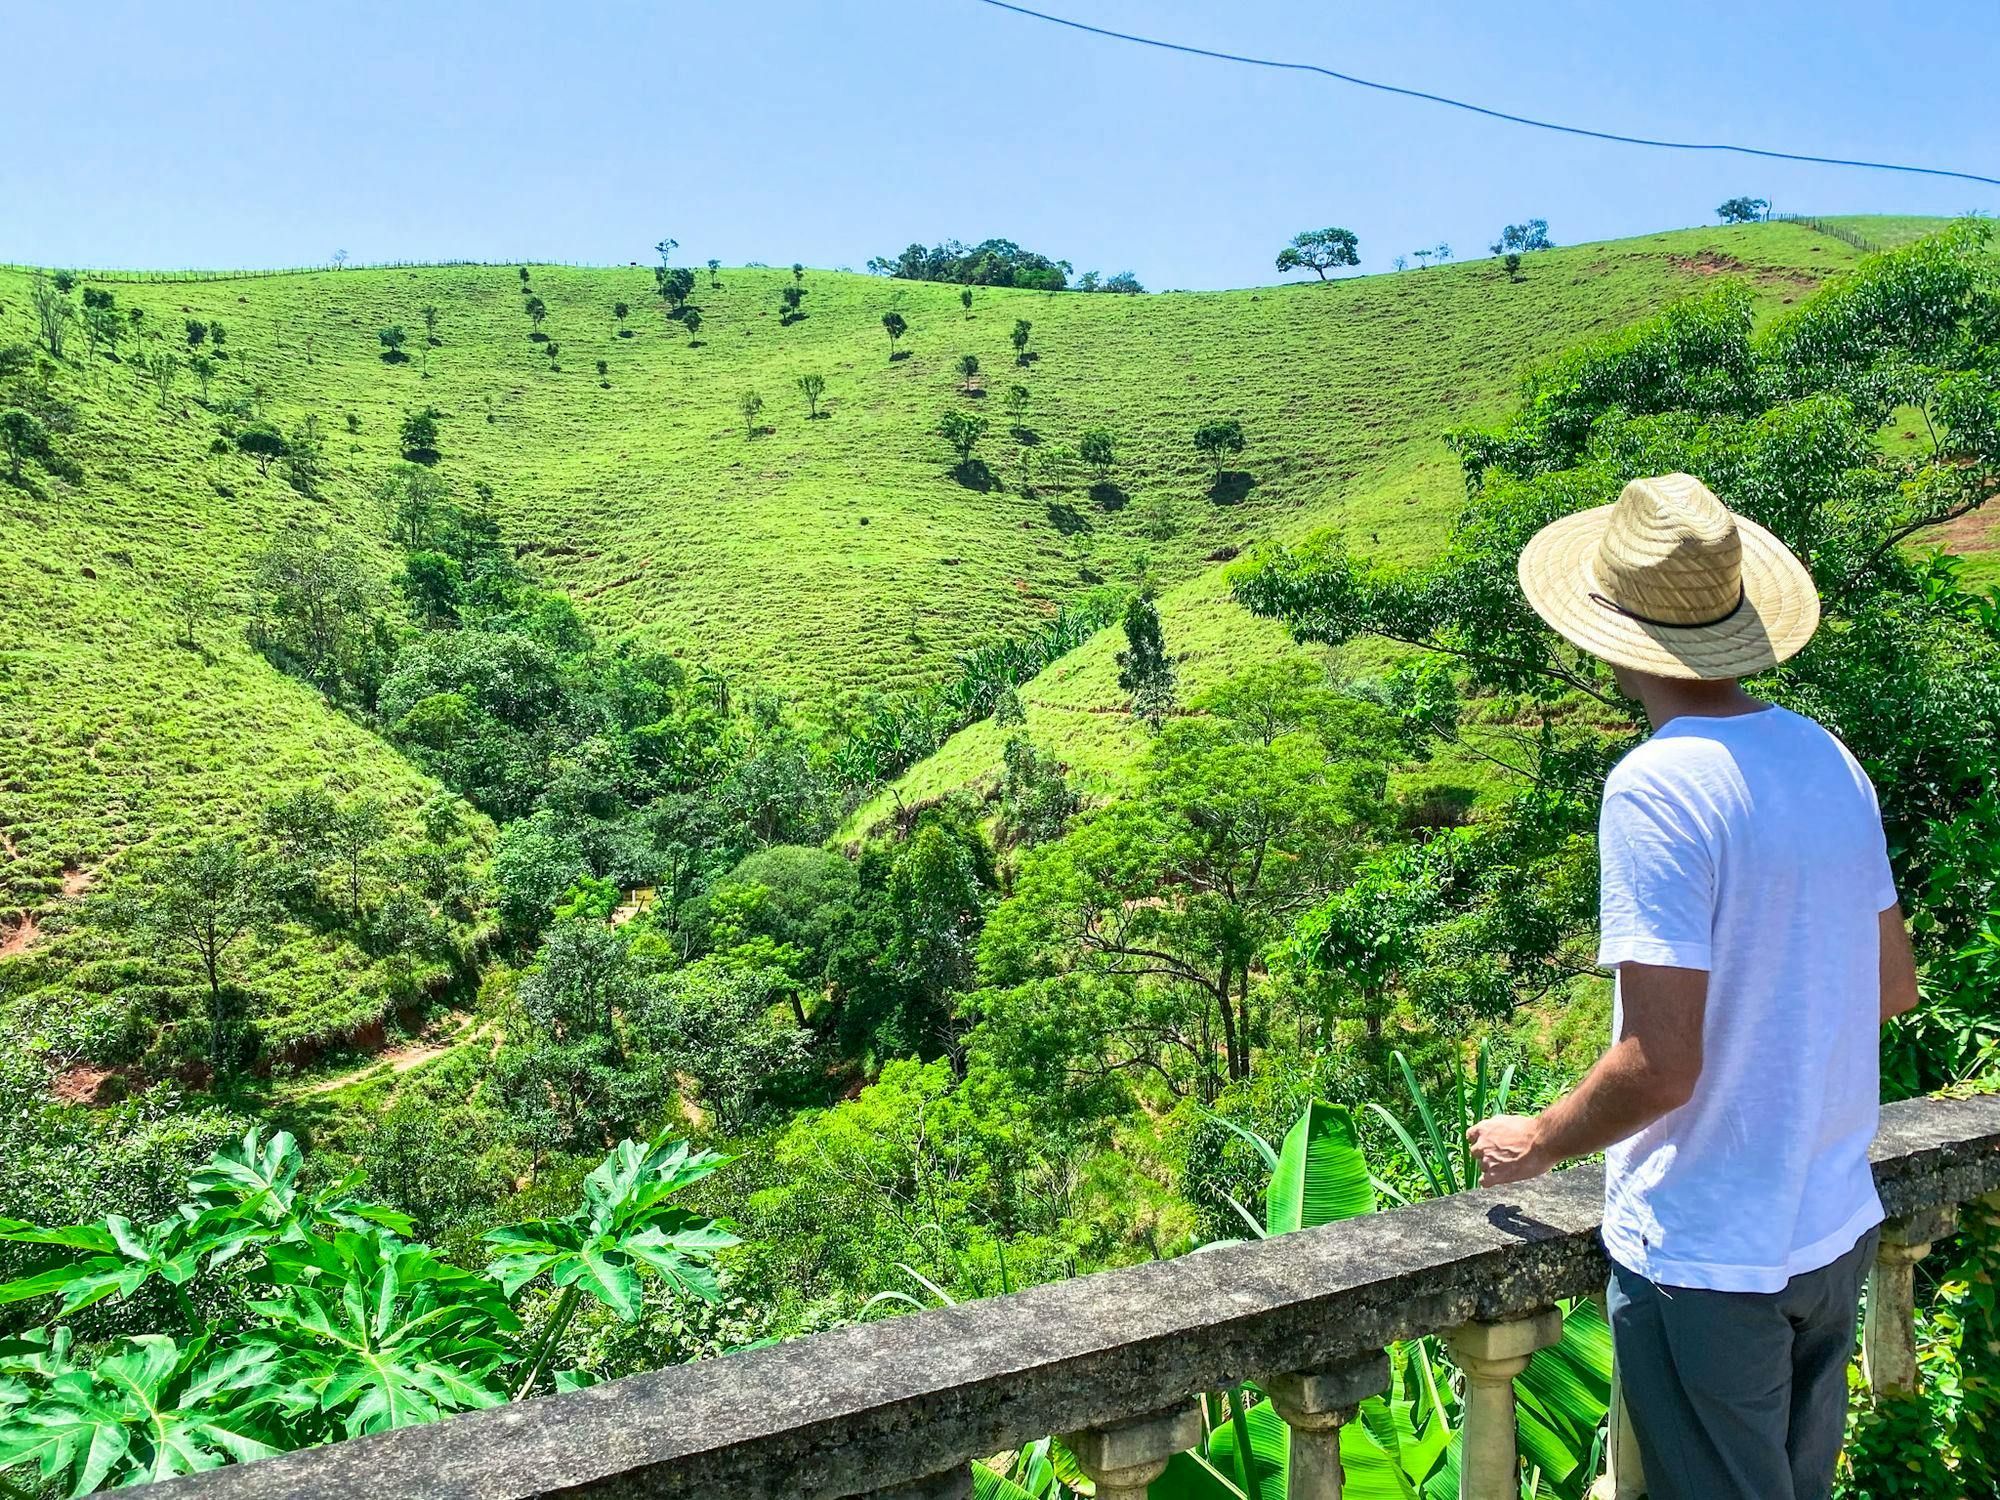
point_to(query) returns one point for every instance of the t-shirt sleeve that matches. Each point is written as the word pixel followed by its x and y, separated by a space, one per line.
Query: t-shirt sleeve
pixel 1657 883
pixel 1880 876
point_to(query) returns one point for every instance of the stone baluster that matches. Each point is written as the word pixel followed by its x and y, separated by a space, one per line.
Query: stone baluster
pixel 1316 1404
pixel 1491 1355
pixel 1624 1476
pixel 1889 1337
pixel 1124 1457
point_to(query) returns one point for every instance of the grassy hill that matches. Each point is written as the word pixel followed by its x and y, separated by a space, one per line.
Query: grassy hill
pixel 821 557
pixel 1395 509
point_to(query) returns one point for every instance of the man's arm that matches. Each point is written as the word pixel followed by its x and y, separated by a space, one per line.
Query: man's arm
pixel 1650 1070
pixel 1899 964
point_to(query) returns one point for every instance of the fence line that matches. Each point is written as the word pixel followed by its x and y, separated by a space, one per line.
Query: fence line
pixel 1840 232
pixel 191 275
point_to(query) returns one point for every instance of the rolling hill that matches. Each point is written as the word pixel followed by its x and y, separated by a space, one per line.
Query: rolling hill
pixel 824 558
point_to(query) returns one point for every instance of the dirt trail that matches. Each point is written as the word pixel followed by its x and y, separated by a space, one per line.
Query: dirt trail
pixel 21 936
pixel 411 1054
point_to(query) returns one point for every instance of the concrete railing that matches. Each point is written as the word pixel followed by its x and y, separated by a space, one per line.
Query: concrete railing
pixel 1112 1360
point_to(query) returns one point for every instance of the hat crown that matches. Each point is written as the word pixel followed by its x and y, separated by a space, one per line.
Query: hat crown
pixel 1671 553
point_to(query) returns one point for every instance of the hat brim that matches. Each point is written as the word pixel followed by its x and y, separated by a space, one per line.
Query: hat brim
pixel 1779 613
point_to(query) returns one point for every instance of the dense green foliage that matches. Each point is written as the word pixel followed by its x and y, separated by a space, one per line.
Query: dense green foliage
pixel 982 910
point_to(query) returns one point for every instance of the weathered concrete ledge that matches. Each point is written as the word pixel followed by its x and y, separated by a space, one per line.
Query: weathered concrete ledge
pixel 858 1409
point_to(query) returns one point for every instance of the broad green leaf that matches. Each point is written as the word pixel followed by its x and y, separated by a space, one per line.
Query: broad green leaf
pixel 987 1485
pixel 611 1278
pixel 1322 1175
pixel 1269 1458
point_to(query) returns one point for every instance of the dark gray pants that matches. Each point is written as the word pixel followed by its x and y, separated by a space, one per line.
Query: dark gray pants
pixel 1739 1395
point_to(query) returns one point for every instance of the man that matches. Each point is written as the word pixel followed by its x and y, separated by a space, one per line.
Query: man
pixel 1749 914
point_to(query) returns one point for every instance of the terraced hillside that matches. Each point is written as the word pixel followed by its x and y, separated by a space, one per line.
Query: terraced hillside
pixel 827 556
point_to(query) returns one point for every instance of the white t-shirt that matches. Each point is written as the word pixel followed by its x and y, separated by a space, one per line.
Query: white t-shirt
pixel 1751 847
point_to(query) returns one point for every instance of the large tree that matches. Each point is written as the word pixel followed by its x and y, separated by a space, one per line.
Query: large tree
pixel 1320 251
pixel 1137 942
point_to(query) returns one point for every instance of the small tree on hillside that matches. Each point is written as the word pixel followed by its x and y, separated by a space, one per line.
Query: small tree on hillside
pixel 894 325
pixel 419 434
pixel 524 275
pixel 963 431
pixel 691 321
pixel 1219 442
pixel 1742 210
pixel 1529 235
pixel 1144 669
pixel 968 366
pixel 103 326
pixel 1512 261
pixel 1423 259
pixel 1320 251
pixel 536 310
pixel 791 297
pixel 24 436
pixel 812 387
pixel 163 368
pixel 218 336
pixel 429 313
pixel 665 249
pixel 1442 252
pixel 1100 450
pixel 392 340
pixel 53 312
pixel 262 442
pixel 1019 339
pixel 204 371
pixel 202 902
pixel 714 272
pixel 752 406
pixel 552 349
pixel 621 311
pixel 356 829
pixel 798 271
pixel 675 284
pixel 191 599
pixel 412 497
pixel 197 331
pixel 1017 405
pixel 965 301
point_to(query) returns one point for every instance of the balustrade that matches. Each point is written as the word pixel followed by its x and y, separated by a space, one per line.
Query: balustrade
pixel 898 1408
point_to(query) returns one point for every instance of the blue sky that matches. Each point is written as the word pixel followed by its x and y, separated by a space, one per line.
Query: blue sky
pixel 832 130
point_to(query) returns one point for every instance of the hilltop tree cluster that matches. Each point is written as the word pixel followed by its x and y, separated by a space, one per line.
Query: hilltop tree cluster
pixel 995 263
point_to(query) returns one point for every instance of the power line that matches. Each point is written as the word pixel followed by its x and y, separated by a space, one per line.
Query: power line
pixel 1480 109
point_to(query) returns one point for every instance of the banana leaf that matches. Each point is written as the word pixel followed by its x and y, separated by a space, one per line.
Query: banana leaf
pixel 1321 1174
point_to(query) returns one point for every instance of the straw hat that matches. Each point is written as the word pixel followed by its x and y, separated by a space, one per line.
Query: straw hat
pixel 1669 581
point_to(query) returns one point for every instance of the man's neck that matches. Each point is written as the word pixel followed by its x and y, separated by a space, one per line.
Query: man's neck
pixel 1667 698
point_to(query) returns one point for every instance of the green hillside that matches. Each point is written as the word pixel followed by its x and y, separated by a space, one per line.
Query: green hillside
pixel 832 555
pixel 828 560
pixel 1396 509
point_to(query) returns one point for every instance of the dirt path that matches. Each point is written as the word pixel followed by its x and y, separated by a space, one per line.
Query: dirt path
pixel 21 936
pixel 412 1054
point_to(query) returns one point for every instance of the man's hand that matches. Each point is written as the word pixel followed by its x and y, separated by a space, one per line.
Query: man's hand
pixel 1508 1148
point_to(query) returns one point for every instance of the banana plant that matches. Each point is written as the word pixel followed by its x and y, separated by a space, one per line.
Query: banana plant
pixel 1405 1445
